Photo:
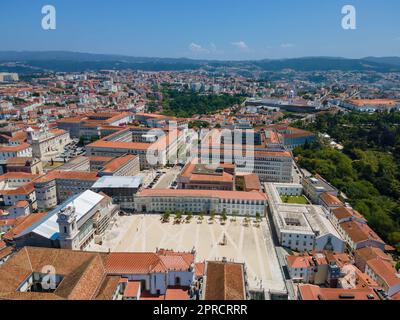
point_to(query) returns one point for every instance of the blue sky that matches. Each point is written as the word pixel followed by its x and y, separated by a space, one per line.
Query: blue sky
pixel 211 29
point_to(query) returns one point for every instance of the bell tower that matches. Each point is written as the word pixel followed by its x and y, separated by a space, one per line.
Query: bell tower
pixel 68 227
pixel 31 135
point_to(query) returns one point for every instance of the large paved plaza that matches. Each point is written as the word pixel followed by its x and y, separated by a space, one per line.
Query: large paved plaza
pixel 251 244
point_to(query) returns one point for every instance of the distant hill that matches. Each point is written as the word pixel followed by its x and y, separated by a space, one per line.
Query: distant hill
pixel 64 61
pixel 386 60
pixel 326 64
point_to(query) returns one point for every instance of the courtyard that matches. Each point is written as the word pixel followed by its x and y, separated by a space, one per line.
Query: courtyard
pixel 235 240
pixel 295 199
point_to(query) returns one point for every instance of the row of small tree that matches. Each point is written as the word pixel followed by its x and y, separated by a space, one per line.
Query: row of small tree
pixel 189 215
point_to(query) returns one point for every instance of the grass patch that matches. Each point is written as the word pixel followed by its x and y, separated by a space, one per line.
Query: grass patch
pixel 294 199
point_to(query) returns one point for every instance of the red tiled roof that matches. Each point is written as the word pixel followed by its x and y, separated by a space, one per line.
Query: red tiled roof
pixel 137 262
pixel 359 231
pixel 330 199
pixel 298 261
pixel 385 271
pixel 224 281
pixel 132 289
pixel 16 148
pixel 240 195
pixel 374 102
pixel 177 293
pixel 119 145
pixel 312 292
pixel 68 175
pixel 199 269
pixel 117 163
pixel 22 224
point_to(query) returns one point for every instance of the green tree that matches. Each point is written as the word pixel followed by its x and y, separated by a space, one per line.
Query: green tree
pixel 166 215
pixel 201 216
pixel 178 215
pixel 223 215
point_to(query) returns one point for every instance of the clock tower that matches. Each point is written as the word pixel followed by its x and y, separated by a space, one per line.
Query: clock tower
pixel 68 228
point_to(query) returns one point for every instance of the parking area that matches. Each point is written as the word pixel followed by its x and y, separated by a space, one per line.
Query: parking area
pixel 233 240
pixel 160 179
pixel 167 179
pixel 71 150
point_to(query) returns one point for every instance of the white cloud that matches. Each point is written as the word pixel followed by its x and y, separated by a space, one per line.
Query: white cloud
pixel 287 45
pixel 241 45
pixel 196 48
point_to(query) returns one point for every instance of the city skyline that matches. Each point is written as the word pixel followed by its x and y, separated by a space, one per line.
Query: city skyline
pixel 227 30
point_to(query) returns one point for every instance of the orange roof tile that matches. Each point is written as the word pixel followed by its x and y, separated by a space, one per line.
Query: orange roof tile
pixel 240 195
pixel 117 163
pixel 359 231
pixel 312 292
pixel 330 199
pixel 132 289
pixel 177 293
pixel 385 271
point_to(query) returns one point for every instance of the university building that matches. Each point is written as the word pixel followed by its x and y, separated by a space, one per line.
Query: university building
pixel 201 201
pixel 250 154
pixel 57 186
pixel 301 227
pixel 47 144
pixel 72 225
pixel 158 149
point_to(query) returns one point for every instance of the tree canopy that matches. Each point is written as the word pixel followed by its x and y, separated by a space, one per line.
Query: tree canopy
pixel 185 104
pixel 367 171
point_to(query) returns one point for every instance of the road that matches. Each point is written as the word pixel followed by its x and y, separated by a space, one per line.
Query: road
pixel 296 176
pixel 166 179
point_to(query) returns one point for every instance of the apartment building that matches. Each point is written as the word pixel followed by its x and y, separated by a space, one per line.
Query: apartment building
pixel 271 166
pixel 97 163
pixel 384 274
pixel 354 229
pixel 359 235
pixel 249 153
pixel 313 292
pixel 128 165
pixel 25 164
pixel 315 187
pixel 320 268
pixel 90 125
pixel 14 151
pixel 151 154
pixel 17 186
pixel 57 186
pixel 292 137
